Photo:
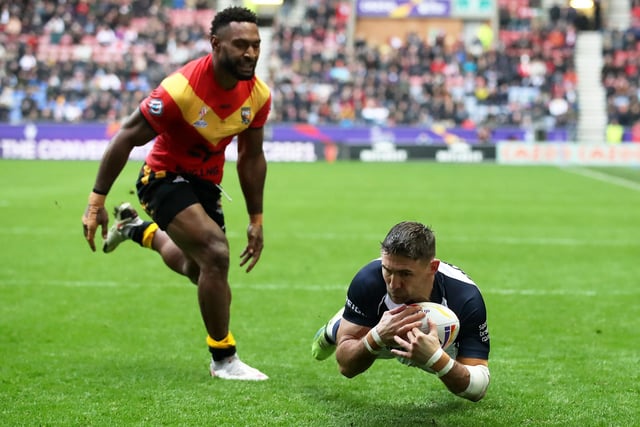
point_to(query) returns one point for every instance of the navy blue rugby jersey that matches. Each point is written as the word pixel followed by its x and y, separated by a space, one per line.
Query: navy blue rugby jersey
pixel 367 299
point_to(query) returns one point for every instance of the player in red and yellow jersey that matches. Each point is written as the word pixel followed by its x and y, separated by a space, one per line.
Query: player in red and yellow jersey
pixel 192 116
pixel 196 117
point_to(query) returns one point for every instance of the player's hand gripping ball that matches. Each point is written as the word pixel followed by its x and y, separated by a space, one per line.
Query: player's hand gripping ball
pixel 445 319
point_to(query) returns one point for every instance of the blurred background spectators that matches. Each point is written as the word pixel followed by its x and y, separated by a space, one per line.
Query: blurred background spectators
pixel 527 77
pixel 83 60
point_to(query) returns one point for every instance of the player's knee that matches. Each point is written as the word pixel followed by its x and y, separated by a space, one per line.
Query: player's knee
pixel 216 255
pixel 209 252
pixel 192 271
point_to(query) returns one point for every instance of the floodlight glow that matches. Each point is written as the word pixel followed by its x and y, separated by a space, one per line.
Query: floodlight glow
pixel 268 2
pixel 581 4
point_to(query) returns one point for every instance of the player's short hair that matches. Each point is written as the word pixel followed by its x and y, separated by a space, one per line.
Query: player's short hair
pixel 410 239
pixel 229 15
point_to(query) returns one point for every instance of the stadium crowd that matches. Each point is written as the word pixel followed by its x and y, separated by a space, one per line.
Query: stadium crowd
pixel 529 77
pixel 67 61
pixel 82 60
pixel 621 73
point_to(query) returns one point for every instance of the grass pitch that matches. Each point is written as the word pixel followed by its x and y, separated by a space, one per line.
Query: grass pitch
pixel 90 339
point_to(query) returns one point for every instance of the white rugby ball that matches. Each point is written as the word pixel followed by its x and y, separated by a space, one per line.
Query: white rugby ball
pixel 446 320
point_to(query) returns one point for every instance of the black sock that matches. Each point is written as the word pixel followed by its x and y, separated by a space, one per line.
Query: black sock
pixel 222 353
pixel 138 232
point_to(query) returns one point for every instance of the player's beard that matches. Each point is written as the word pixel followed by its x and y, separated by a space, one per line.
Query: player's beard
pixel 237 68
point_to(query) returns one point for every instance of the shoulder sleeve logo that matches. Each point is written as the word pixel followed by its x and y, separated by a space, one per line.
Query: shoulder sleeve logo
pixel 155 106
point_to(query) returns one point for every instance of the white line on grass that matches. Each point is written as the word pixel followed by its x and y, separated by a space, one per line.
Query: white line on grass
pixel 66 283
pixel 32 231
pixel 545 241
pixel 504 240
pixel 322 288
pixel 547 292
pixel 604 177
pixel 522 292
pixel 508 240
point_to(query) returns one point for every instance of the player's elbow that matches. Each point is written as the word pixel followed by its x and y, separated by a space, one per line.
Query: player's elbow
pixel 351 369
pixel 479 378
pixel 474 398
pixel 350 364
pixel 346 372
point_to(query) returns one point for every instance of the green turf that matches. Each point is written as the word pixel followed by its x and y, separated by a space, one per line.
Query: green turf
pixel 89 339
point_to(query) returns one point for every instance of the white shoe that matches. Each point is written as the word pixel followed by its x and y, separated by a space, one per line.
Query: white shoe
pixel 126 219
pixel 232 368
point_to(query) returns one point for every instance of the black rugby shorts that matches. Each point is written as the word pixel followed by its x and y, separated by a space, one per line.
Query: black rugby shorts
pixel 165 194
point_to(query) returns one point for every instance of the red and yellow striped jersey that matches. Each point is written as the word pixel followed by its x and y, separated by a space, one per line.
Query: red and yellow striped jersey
pixel 196 119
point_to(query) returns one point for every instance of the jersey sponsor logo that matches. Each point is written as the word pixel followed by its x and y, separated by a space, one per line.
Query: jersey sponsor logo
pixel 354 307
pixel 156 106
pixel 484 332
pixel 245 114
pixel 201 123
pixel 203 172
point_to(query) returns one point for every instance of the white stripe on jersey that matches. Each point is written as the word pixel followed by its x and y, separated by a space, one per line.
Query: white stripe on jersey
pixel 454 272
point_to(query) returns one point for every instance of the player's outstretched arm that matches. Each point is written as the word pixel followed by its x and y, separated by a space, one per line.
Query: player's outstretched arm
pixel 134 132
pixel 252 172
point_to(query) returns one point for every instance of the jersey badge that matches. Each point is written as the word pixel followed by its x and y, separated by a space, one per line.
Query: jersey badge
pixel 245 114
pixel 201 123
pixel 155 106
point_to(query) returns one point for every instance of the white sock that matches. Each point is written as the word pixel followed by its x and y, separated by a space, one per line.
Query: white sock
pixel 332 326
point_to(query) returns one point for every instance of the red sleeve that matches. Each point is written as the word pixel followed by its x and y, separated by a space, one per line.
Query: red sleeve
pixel 262 115
pixel 160 110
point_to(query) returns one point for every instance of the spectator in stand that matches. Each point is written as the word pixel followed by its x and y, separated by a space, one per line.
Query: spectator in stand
pixel 615 132
pixel 620 74
pixel 635 132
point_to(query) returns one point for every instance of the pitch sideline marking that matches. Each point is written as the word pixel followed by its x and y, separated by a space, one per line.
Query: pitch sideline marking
pixel 604 177
pixel 502 240
pixel 315 288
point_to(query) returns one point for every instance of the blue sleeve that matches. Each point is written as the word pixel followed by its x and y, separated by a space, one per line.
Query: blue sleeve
pixel 366 291
pixel 473 339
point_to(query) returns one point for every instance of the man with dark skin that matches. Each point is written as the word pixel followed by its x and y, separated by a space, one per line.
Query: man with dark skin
pixel 192 116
